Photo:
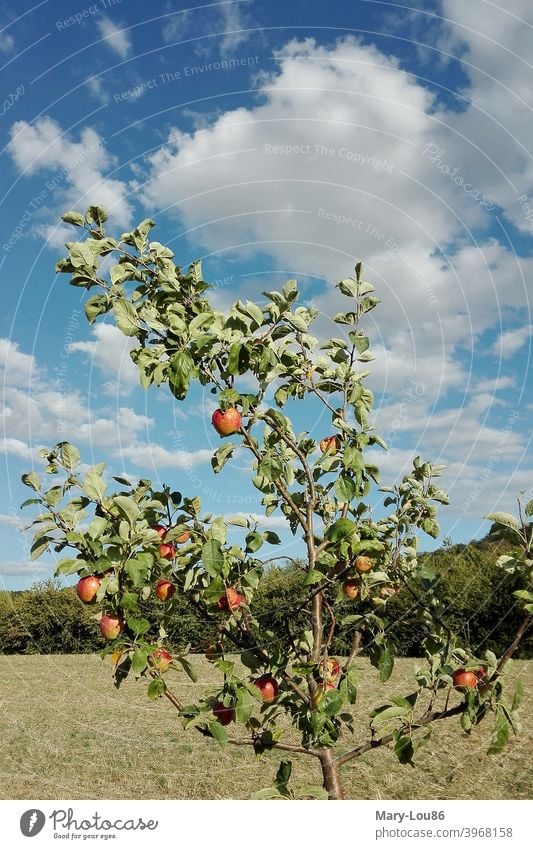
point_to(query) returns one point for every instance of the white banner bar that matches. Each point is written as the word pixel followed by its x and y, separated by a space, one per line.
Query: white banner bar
pixel 267 825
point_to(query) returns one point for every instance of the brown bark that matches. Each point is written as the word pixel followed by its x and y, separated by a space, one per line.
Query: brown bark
pixel 331 774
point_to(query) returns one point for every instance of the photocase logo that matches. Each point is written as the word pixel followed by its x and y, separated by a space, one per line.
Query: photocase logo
pixel 32 822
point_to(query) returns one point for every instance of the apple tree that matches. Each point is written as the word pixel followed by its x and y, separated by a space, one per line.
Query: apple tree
pixel 134 541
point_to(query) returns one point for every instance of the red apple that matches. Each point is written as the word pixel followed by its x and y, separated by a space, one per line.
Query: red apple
pixel 268 686
pixel 164 589
pixel 481 673
pixel 111 624
pixel 351 588
pixel 363 564
pixel 230 600
pixel 87 588
pixel 161 530
pixel 183 537
pixel 329 444
pixel 227 421
pixel 161 659
pixel 464 680
pixel 224 714
pixel 167 551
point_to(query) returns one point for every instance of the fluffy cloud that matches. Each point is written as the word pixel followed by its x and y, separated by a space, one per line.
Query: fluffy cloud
pixel 509 342
pixel 109 353
pixel 117 39
pixel 75 171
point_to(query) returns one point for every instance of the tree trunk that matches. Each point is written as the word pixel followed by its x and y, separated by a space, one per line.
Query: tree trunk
pixel 331 774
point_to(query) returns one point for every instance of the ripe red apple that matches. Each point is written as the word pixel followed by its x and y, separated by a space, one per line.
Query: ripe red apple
pixel 164 589
pixel 87 588
pixel 330 444
pixel 227 421
pixel 111 624
pixel 363 564
pixel 167 550
pixel 161 659
pixel 268 686
pixel 224 714
pixel 161 530
pixel 230 600
pixel 462 679
pixel 351 588
pixel 330 669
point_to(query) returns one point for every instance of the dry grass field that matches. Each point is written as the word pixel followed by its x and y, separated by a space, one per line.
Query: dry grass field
pixel 67 733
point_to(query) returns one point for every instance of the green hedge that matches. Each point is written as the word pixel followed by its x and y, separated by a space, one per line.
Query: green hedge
pixel 477 596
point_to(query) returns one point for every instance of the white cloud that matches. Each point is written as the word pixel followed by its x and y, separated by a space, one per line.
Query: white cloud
pixel 109 352
pixel 9 519
pixel 22 567
pixel 17 366
pixel 152 455
pixel 7 43
pixel 117 39
pixel 76 170
pixel 495 384
pixel 231 19
pixel 510 341
pixel 95 86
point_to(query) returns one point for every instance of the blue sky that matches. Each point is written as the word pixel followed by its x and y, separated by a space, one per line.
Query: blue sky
pixel 274 140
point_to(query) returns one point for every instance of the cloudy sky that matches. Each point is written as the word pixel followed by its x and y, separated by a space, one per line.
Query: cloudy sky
pixel 274 140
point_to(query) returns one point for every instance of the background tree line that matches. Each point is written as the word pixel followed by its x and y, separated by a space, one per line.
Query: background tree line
pixel 477 595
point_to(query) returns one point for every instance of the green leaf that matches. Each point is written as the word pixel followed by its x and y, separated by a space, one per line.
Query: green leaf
pixel 138 626
pixel 32 480
pixel 345 488
pixel 72 217
pixel 39 546
pixel 53 496
pixel 95 306
pixel 331 703
pixel 126 317
pixel 239 521
pixel 93 485
pixel 382 659
pixel 505 519
pixel 70 456
pixel 96 215
pixel 528 509
pixel 221 456
pixel 403 749
pixel 500 734
pixel 518 693
pixel 348 287
pixel 187 668
pixel 69 566
pixel 180 370
pixel 213 557
pixel 249 660
pixel 127 507
pixel 218 732
pixel 389 712
pixel 195 270
pixel 156 688
pixel 244 705
pixel 272 538
pixel 254 541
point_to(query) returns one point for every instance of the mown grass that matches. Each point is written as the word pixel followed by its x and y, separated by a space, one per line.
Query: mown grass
pixel 68 734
